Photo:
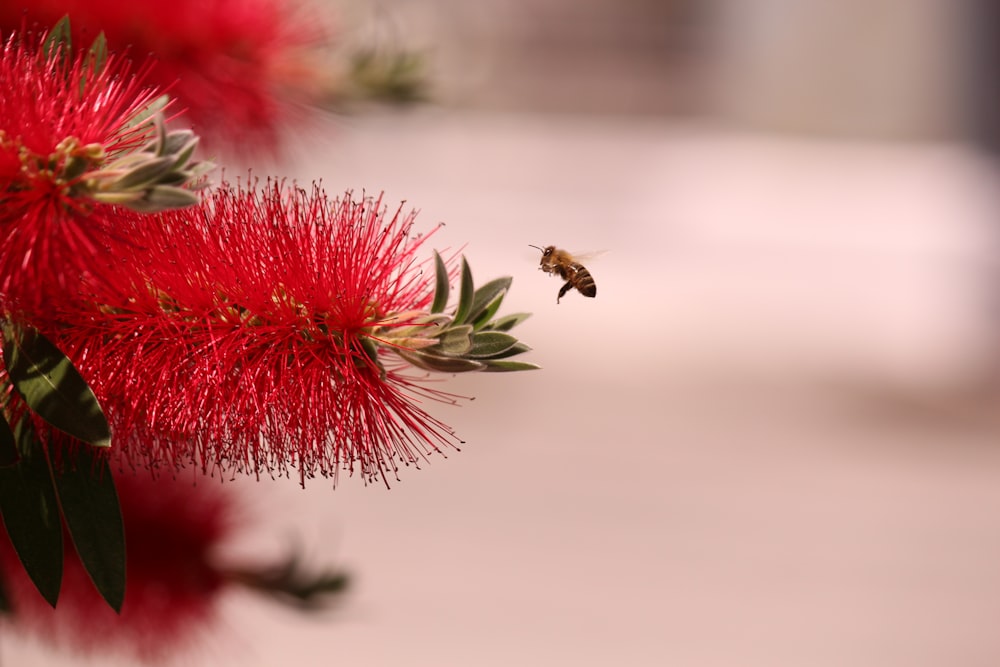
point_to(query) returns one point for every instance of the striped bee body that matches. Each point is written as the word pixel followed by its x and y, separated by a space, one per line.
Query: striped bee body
pixel 561 263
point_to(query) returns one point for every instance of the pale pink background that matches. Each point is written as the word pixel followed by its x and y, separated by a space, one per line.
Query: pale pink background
pixel 771 440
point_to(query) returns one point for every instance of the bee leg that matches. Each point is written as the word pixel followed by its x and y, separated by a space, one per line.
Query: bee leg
pixel 562 292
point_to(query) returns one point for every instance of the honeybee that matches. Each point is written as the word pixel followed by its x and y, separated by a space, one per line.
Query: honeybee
pixel 566 267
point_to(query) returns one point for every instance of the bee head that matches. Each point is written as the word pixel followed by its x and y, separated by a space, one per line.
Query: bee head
pixel 546 252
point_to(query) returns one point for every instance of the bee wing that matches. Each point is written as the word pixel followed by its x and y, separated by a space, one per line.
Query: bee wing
pixel 588 256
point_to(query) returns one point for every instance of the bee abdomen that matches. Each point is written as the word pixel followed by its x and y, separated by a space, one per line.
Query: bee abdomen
pixel 584 281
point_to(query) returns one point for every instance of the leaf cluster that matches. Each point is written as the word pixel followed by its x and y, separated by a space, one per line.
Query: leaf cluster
pixel 40 488
pixel 159 176
pixel 468 339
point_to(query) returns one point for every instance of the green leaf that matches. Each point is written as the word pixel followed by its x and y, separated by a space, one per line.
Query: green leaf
pixel 144 175
pixel 455 341
pixel 117 197
pixel 183 153
pixel 414 342
pixel 52 387
pixel 465 295
pixel 441 288
pixel 94 519
pixel 440 364
pixel 163 198
pixel 512 351
pixel 158 141
pixel 8 445
pixel 31 514
pixel 98 53
pixel 487 300
pixel 180 143
pixel 149 111
pixel 507 322
pixel 491 309
pixel 370 350
pixel 509 366
pixel 59 40
pixel 487 344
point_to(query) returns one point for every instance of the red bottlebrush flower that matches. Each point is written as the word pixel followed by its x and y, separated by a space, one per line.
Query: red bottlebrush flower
pixel 241 335
pixel 60 115
pixel 239 67
pixel 173 529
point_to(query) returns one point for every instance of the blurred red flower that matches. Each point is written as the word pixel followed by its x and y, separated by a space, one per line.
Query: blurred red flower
pixel 239 67
pixel 174 528
pixel 60 115
pixel 240 334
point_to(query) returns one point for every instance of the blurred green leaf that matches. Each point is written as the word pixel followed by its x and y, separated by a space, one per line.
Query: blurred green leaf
pixel 149 111
pixel 290 584
pixel 94 519
pixel 98 53
pixel 31 513
pixel 398 76
pixel 52 387
pixel 59 41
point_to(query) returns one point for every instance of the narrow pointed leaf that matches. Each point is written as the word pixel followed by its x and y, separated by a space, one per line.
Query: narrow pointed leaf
pixel 163 198
pixel 414 343
pixel 52 387
pixel 370 359
pixel 513 350
pixel 94 519
pixel 183 154
pixel 180 143
pixel 150 110
pixel 31 514
pixel 441 287
pixel 487 296
pixel 8 445
pixel 509 366
pixel 455 341
pixel 369 348
pixel 507 322
pixel 465 295
pixel 482 319
pixel 117 197
pixel 440 364
pixel 59 40
pixel 98 53
pixel 145 174
pixel 490 343
pixel 159 140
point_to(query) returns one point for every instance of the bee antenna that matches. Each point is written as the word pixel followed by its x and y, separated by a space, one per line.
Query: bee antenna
pixel 535 247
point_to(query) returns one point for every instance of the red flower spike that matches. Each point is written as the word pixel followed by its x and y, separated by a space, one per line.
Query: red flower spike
pixel 239 67
pixel 58 117
pixel 237 335
pixel 174 528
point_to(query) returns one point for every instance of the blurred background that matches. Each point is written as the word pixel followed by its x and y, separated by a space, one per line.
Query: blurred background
pixel 773 437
